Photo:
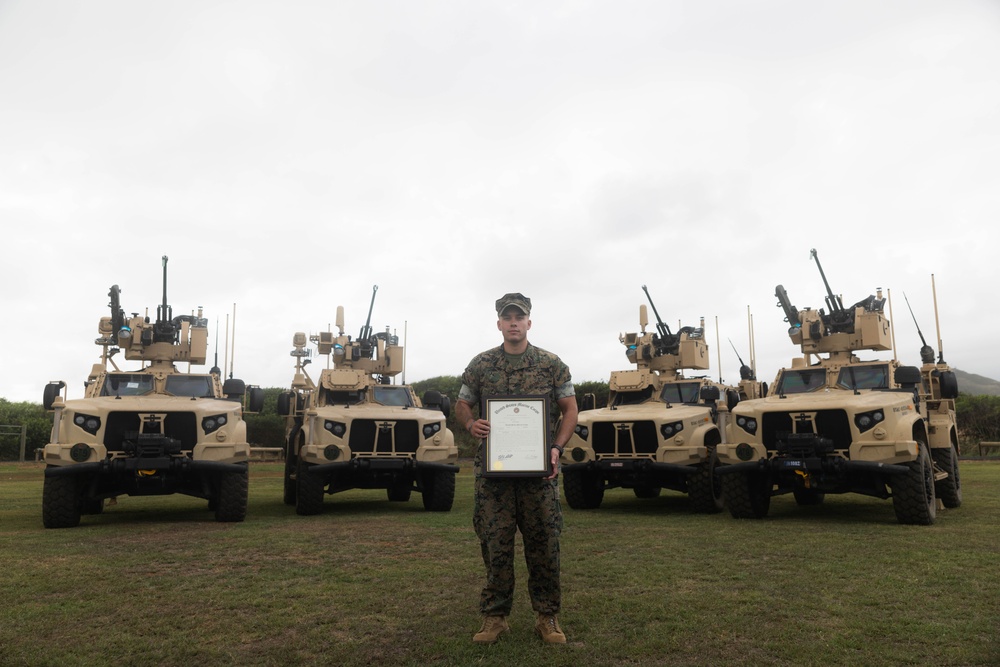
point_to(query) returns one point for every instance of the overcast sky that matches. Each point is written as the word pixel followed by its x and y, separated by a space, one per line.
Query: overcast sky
pixel 288 156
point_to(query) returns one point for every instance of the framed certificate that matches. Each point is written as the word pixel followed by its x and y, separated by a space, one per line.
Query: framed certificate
pixel 518 442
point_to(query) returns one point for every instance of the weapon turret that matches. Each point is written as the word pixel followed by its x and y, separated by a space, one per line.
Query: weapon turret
pixel 168 339
pixel 664 350
pixel 862 326
pixel 370 359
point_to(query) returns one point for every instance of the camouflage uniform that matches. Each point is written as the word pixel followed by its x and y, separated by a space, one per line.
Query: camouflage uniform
pixel 504 505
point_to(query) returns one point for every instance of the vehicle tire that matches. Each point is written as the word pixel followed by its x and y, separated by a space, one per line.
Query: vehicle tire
pixel 288 496
pixel 439 491
pixel 747 494
pixel 400 491
pixel 308 491
pixel 913 496
pixel 644 491
pixel 806 497
pixel 705 488
pixel 60 502
pixel 583 490
pixel 231 495
pixel 949 489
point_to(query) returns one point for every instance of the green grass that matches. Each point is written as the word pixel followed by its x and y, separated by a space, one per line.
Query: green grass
pixel 158 581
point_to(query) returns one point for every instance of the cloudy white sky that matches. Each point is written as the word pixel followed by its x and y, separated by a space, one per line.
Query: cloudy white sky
pixel 287 156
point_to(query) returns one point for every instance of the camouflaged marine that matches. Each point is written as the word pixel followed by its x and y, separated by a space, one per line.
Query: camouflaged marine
pixel 353 429
pixel 149 431
pixel 659 429
pixel 834 423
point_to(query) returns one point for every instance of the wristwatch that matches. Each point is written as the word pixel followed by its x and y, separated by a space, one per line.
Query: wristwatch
pixel 559 448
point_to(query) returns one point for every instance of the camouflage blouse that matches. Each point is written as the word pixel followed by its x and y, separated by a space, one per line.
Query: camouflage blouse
pixel 537 372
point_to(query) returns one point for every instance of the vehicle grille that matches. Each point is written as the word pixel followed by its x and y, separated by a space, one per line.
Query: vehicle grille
pixel 121 426
pixel 369 436
pixel 617 439
pixel 830 424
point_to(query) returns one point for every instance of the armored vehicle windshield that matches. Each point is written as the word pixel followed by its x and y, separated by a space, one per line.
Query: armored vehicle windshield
pixel 681 392
pixel 127 384
pixel 864 377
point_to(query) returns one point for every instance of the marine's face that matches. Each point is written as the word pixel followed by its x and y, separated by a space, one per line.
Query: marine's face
pixel 514 325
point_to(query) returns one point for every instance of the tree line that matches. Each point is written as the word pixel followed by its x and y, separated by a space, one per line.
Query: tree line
pixel 978 418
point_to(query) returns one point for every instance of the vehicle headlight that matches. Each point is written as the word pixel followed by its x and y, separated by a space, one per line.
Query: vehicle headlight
pixel 865 421
pixel 213 423
pixel 431 429
pixel 88 423
pixel 337 428
pixel 671 429
pixel 748 424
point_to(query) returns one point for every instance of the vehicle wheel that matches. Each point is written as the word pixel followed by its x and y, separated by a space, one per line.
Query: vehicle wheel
pixel 705 488
pixel 400 491
pixel 308 491
pixel 60 502
pixel 290 461
pixel 583 490
pixel 439 491
pixel 232 493
pixel 747 494
pixel 949 489
pixel 644 491
pixel 289 485
pixel 913 496
pixel 808 496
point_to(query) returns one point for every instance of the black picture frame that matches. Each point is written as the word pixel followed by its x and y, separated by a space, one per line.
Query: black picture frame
pixel 519 438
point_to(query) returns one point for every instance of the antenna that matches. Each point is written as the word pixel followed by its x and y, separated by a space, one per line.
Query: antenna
pixel 937 322
pixel 232 358
pixel 892 330
pixel 718 352
pixel 215 367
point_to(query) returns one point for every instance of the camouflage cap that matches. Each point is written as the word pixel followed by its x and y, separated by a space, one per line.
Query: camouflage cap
pixel 515 299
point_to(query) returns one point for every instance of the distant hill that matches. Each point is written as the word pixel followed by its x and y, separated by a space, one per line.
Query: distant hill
pixel 976 385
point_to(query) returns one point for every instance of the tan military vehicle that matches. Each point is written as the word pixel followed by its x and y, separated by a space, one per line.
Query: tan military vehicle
pixel 659 429
pixel 150 431
pixel 354 429
pixel 834 423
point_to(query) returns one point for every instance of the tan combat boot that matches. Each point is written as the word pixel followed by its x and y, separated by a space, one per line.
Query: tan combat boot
pixel 547 627
pixel 493 627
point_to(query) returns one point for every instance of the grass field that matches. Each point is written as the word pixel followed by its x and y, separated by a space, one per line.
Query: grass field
pixel 156 581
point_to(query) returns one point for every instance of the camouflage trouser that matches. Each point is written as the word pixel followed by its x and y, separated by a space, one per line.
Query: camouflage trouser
pixel 504 506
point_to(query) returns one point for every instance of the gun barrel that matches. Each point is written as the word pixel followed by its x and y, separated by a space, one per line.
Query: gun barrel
pixel 660 326
pixel 832 300
pixel 366 331
pixel 736 351
pixel 163 311
pixel 919 333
